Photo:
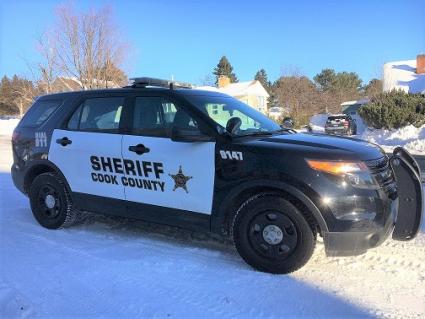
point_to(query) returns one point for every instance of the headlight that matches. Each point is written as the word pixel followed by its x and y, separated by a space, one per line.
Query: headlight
pixel 356 174
pixel 337 168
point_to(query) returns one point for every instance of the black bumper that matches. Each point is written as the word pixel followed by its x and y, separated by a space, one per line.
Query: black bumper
pixel 403 215
pixel 351 243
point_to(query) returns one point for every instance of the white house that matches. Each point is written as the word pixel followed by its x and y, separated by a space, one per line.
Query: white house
pixel 250 92
pixel 408 75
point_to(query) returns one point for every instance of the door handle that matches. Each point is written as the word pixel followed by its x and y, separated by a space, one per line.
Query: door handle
pixel 64 141
pixel 139 149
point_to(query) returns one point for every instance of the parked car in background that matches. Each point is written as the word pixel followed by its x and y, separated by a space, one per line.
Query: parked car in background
pixel 341 124
pixel 275 113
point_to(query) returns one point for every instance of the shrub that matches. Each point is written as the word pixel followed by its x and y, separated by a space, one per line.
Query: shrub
pixel 394 109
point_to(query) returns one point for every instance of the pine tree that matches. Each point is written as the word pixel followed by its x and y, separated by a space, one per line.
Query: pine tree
pixel 224 68
pixel 261 76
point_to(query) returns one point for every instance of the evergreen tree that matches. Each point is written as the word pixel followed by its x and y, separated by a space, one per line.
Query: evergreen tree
pixel 224 68
pixel 261 76
pixel 325 79
pixel 373 88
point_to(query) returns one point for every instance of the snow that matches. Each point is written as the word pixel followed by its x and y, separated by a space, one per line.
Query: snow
pixel 239 89
pixel 117 268
pixel 410 137
pixel 8 125
pixel 401 75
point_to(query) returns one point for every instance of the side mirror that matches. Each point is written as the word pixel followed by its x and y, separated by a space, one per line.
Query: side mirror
pixel 233 125
pixel 287 123
pixel 187 135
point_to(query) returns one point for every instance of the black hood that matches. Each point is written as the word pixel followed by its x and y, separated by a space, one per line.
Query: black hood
pixel 320 146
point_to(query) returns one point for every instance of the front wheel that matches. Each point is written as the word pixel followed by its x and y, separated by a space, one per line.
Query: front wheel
pixel 272 235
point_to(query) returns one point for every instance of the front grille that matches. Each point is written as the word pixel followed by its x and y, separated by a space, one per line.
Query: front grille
pixel 381 170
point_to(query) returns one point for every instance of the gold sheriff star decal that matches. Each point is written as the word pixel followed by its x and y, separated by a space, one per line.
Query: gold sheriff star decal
pixel 180 180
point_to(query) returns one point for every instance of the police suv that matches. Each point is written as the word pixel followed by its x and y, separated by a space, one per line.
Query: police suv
pixel 166 153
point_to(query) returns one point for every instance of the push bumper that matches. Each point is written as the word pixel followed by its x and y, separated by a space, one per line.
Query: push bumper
pixel 352 243
pixel 404 213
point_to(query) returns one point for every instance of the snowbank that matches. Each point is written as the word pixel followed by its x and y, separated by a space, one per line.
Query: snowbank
pixel 8 125
pixel 318 121
pixel 410 137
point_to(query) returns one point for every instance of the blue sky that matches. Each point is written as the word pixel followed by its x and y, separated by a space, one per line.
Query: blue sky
pixel 186 38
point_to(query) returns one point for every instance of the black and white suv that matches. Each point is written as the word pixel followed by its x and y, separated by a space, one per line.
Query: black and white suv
pixel 205 161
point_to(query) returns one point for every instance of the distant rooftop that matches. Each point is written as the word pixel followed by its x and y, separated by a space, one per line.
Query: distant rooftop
pixel 402 75
pixel 239 89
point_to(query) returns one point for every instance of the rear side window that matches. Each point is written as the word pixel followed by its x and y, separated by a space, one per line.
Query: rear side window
pixel 97 114
pixel 40 112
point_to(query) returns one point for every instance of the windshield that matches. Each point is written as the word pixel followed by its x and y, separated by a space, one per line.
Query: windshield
pixel 221 109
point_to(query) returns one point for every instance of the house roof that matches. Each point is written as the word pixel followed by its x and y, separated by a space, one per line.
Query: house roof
pixel 361 101
pixel 240 89
pixel 402 75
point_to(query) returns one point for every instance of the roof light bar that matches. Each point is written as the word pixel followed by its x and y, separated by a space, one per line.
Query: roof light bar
pixel 146 81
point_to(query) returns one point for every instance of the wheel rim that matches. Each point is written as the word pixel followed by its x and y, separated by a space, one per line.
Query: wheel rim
pixel 273 235
pixel 48 202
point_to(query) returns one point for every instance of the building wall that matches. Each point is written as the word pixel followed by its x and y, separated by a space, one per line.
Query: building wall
pixel 257 102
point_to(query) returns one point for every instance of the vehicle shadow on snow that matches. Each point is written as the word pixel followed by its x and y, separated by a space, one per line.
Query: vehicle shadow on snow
pixel 196 271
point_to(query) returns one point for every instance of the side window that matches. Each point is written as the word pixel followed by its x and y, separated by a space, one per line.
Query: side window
pixel 98 114
pixel 154 116
pixel 147 117
pixel 174 116
pixel 39 112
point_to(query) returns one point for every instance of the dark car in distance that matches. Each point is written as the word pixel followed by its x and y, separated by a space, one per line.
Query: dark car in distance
pixel 341 124
pixel 169 154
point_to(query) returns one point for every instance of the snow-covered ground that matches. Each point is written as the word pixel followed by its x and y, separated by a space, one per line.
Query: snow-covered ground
pixel 410 137
pixel 7 125
pixel 118 268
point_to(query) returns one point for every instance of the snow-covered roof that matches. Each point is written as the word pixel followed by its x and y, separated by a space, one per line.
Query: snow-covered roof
pixel 361 101
pixel 245 88
pixel 240 89
pixel 402 75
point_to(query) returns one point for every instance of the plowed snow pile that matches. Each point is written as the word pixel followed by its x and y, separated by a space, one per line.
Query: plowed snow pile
pixel 410 137
pixel 116 268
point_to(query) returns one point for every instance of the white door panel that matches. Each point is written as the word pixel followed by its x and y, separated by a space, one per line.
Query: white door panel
pixel 156 179
pixel 83 175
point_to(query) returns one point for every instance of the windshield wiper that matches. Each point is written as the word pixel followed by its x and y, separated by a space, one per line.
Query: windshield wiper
pixel 283 129
pixel 259 133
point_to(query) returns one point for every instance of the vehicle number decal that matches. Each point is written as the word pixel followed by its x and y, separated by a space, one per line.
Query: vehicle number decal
pixel 40 139
pixel 231 155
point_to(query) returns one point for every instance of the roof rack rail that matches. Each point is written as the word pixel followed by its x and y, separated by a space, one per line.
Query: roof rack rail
pixel 146 81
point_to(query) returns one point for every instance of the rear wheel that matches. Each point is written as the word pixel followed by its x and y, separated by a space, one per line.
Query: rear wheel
pixel 51 203
pixel 272 235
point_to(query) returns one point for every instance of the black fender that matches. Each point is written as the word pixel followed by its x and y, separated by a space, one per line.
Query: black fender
pixel 219 215
pixel 40 165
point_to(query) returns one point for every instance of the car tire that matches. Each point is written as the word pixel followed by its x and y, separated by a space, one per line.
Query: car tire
pixel 51 203
pixel 272 235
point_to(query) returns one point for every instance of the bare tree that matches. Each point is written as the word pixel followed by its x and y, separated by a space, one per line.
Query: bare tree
pixel 48 68
pixel 298 95
pixel 23 93
pixel 83 46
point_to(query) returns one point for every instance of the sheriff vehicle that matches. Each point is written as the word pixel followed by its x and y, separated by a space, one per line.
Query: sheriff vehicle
pixel 166 153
